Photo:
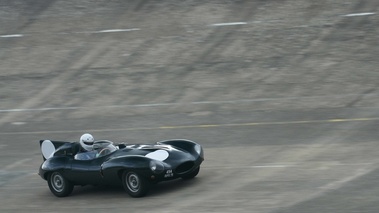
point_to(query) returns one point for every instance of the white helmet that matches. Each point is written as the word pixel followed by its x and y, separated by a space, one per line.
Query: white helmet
pixel 86 141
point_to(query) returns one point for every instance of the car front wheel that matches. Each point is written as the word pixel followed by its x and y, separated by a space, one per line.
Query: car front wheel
pixel 59 185
pixel 134 184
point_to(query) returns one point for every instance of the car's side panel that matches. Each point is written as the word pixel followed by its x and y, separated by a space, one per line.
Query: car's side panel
pixel 84 172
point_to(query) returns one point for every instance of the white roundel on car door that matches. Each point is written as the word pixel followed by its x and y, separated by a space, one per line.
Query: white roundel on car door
pixel 159 155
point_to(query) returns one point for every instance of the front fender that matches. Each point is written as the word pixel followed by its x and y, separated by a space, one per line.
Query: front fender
pixel 184 144
pixel 116 166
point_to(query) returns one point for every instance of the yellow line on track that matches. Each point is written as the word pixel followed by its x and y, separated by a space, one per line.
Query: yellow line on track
pixel 201 126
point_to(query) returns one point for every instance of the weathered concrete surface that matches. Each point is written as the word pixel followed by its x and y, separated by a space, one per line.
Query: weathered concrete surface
pixel 283 95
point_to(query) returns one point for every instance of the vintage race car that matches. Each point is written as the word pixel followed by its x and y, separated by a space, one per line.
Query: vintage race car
pixel 135 167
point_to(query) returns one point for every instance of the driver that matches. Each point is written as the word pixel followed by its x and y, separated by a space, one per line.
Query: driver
pixel 86 151
pixel 86 141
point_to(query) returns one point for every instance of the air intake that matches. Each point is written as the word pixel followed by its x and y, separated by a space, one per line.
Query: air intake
pixel 184 167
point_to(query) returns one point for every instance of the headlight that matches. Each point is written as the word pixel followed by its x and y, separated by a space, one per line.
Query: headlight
pixel 156 167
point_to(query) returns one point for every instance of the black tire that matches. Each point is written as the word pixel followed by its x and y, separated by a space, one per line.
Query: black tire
pixel 192 174
pixel 134 184
pixel 59 185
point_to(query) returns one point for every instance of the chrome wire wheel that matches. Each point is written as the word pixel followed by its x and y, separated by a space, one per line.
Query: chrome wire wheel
pixel 59 185
pixel 57 182
pixel 133 182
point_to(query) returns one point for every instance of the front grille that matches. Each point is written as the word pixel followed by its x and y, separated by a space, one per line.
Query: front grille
pixel 184 167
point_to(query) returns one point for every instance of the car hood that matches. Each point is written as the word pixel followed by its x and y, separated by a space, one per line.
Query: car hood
pixel 156 152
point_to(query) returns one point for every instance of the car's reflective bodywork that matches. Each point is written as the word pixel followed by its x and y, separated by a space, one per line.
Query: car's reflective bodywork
pixel 135 167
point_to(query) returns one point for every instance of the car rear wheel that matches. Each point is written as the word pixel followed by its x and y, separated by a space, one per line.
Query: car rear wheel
pixel 192 174
pixel 134 184
pixel 59 185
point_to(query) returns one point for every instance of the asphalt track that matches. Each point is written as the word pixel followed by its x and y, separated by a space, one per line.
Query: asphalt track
pixel 283 95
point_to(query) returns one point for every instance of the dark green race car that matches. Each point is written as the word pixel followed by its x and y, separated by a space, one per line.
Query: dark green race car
pixel 135 167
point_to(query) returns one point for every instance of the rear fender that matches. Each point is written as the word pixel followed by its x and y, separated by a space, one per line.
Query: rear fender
pixel 54 164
